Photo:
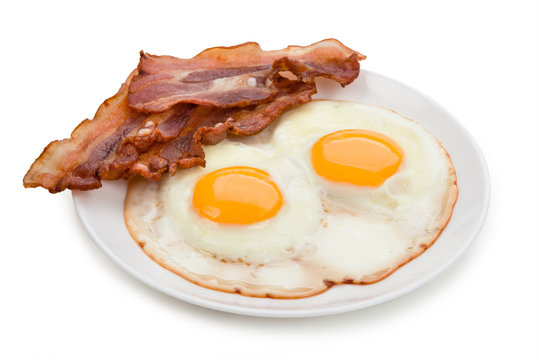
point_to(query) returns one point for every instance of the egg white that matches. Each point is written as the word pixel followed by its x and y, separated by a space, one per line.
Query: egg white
pixel 270 241
pixel 326 233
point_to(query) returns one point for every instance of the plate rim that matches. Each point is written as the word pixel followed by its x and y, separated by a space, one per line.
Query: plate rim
pixel 278 313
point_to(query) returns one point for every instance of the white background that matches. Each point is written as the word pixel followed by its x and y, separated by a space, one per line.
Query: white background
pixel 62 298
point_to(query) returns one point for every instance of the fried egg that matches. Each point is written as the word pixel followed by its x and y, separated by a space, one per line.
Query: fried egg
pixel 243 206
pixel 335 193
pixel 394 164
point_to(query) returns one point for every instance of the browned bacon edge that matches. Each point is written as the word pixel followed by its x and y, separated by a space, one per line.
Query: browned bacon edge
pixel 235 76
pixel 90 141
pixel 121 142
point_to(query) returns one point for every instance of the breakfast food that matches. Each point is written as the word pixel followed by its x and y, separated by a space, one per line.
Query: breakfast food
pixel 335 193
pixel 168 107
pixel 236 76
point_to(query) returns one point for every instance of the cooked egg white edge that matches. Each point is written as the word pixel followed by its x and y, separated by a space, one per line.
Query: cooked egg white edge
pixel 143 210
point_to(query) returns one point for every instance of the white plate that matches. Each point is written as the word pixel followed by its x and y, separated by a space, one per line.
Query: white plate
pixel 101 212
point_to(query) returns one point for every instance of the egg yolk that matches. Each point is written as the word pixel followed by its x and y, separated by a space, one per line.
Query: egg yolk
pixel 237 195
pixel 358 157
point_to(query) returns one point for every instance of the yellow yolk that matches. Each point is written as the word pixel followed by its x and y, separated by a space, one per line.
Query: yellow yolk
pixel 358 157
pixel 237 195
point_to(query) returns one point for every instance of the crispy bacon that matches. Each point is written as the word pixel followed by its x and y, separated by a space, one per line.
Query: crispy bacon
pixel 97 148
pixel 210 125
pixel 122 141
pixel 235 76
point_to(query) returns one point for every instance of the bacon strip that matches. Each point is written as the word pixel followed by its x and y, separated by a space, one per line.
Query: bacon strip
pixel 121 141
pixel 96 149
pixel 210 125
pixel 235 76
